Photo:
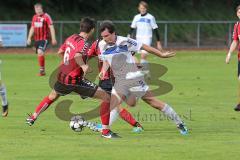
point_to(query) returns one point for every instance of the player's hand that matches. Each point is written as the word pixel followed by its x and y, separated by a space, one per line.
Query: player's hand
pixel 85 69
pixel 101 75
pixel 29 42
pixel 90 70
pixel 54 42
pixel 228 57
pixel 168 54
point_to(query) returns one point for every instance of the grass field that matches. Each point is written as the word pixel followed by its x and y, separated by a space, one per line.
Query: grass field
pixel 204 94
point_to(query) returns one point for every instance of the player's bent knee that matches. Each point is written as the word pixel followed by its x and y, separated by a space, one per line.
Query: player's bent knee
pixel 103 95
pixel 132 102
pixel 53 95
pixel 40 52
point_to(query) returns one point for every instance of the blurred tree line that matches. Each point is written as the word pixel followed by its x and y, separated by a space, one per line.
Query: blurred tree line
pixel 126 9
pixel 121 9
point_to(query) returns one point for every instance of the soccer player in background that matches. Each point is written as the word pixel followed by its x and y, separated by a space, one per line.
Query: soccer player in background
pixel 71 77
pixel 234 45
pixel 106 83
pixel 41 25
pixel 145 25
pixel 129 85
pixel 3 91
pixel 1 43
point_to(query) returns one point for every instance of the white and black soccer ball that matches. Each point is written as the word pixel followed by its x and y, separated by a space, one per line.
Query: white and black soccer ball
pixel 77 123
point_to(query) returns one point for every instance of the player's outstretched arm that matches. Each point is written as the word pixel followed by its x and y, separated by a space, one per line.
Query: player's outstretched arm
pixel 162 54
pixel 31 32
pixel 53 35
pixel 231 49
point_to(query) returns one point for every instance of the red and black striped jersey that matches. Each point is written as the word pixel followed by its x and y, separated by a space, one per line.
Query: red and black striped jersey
pixel 95 52
pixel 41 24
pixel 69 71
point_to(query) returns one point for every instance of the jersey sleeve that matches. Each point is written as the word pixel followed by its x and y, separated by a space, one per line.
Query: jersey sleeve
pixel 49 20
pixel 63 46
pixel 92 52
pixel 133 45
pixel 153 23
pixel 134 22
pixel 0 39
pixel 236 32
pixel 83 48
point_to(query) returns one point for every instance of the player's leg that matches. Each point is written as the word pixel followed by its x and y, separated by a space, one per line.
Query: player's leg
pixel 104 109
pixel 166 109
pixel 115 102
pixel 3 94
pixel 41 57
pixel 42 106
pixel 88 89
pixel 118 111
pixel 144 63
pixel 59 89
pixel 144 55
pixel 237 108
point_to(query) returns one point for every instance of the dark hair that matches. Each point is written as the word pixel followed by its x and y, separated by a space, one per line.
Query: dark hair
pixel 87 24
pixel 107 25
pixel 143 3
pixel 237 8
pixel 38 4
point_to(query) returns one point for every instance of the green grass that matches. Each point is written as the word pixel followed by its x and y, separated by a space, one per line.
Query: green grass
pixel 202 83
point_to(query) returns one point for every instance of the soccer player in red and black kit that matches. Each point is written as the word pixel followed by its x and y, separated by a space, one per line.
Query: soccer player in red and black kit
pixel 234 45
pixel 71 75
pixel 106 83
pixel 41 26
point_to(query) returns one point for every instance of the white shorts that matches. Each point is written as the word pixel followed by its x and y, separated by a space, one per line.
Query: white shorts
pixel 136 87
pixel 147 41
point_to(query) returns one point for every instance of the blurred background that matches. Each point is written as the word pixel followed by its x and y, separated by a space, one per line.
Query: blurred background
pixel 182 24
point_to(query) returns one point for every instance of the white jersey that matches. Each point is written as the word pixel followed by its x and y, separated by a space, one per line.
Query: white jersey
pixel 144 26
pixel 127 76
pixel 0 39
pixel 119 55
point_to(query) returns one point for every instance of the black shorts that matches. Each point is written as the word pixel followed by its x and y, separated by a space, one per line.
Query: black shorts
pixel 84 88
pixel 42 44
pixel 106 85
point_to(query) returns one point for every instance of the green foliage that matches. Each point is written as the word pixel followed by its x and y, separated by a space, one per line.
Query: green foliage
pixel 126 9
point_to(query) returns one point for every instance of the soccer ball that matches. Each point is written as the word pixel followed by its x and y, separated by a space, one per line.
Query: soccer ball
pixel 77 123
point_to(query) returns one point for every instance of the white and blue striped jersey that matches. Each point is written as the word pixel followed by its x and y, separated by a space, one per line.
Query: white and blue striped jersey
pixel 119 55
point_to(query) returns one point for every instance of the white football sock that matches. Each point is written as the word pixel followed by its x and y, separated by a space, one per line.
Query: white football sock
pixel 113 116
pixel 3 94
pixel 170 113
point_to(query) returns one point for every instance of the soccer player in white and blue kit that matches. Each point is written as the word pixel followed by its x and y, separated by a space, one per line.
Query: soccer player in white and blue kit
pixel 3 92
pixel 145 25
pixel 116 52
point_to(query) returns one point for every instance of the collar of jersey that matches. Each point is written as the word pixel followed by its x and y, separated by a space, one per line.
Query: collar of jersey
pixel 143 14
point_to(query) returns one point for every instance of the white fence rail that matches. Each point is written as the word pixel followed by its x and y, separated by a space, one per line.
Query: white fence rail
pixel 174 34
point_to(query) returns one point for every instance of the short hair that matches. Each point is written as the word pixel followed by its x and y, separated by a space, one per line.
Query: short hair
pixel 87 24
pixel 38 4
pixel 143 3
pixel 237 8
pixel 107 25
